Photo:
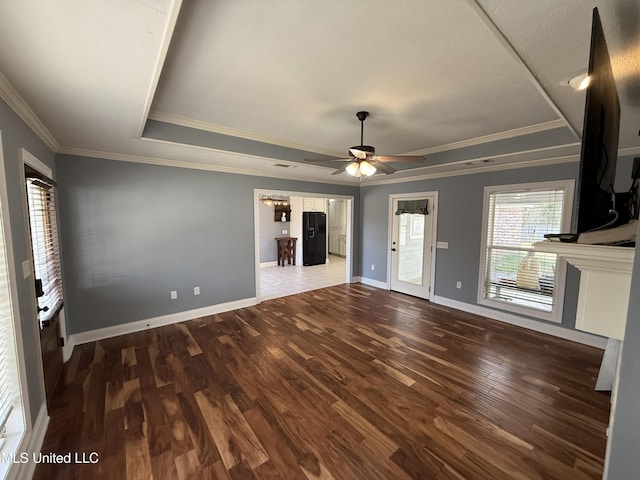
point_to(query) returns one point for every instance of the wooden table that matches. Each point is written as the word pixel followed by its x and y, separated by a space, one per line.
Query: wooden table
pixel 286 249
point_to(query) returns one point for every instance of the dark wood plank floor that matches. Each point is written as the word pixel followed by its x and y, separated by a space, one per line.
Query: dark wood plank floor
pixel 347 382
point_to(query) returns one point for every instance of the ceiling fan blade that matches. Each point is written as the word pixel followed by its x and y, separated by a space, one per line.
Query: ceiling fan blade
pixel 382 167
pixel 361 154
pixel 331 159
pixel 399 158
pixel 340 170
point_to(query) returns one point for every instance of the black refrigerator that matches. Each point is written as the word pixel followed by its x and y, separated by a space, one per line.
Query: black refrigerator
pixel 314 238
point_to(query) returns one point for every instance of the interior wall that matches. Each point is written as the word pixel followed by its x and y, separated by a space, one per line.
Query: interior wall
pixel 460 224
pixel 16 135
pixel 134 232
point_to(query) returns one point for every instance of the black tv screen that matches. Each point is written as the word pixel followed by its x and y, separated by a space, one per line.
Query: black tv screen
pixel 593 202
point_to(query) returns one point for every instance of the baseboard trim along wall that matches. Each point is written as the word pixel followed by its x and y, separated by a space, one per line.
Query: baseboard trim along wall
pixel 32 446
pixel 374 283
pixel 137 326
pixel 268 264
pixel 573 335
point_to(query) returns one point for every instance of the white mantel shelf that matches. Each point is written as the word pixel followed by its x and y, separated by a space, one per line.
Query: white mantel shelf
pixel 605 283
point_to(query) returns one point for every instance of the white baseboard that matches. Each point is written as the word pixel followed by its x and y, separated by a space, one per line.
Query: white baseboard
pixel 137 326
pixel 538 326
pixel 268 264
pixel 67 349
pixel 374 283
pixel 31 445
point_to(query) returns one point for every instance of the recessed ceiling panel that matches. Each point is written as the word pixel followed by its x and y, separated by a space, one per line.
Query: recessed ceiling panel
pixel 430 73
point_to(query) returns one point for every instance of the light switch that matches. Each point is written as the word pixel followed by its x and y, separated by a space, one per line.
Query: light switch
pixel 442 244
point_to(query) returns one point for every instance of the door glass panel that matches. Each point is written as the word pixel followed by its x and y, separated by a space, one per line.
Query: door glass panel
pixel 410 248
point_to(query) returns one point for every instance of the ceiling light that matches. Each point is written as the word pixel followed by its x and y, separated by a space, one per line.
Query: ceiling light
pixel 367 169
pixel 580 81
pixel 269 200
pixel 353 169
pixel 361 168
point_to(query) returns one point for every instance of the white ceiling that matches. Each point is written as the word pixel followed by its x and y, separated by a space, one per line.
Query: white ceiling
pixel 437 76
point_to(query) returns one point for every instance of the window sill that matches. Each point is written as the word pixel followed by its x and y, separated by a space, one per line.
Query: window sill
pixel 552 316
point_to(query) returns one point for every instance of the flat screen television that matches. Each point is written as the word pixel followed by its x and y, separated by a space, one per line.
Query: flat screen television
pixel 594 207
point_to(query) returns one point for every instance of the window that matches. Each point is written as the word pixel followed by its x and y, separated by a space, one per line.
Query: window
pixel 513 276
pixel 13 406
pixel 10 404
pixel 44 240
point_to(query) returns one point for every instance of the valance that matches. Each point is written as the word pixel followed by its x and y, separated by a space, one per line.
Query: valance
pixel 419 207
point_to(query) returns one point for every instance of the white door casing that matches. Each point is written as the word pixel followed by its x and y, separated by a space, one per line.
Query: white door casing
pixel 412 237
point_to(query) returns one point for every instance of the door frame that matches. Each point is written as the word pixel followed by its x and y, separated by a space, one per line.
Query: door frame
pixel 434 234
pixel 259 192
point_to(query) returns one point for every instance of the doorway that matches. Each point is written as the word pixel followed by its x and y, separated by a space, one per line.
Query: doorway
pixel 274 280
pixel 40 201
pixel 412 236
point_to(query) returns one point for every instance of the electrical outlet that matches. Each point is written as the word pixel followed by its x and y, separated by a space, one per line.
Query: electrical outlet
pixel 174 294
pixel 284 232
pixel 196 290
pixel 458 284
pixel 373 267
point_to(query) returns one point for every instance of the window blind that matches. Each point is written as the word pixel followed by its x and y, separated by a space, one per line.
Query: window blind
pixel 46 252
pixel 514 272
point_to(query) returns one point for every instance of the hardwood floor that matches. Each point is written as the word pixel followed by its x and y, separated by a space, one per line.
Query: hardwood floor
pixel 347 382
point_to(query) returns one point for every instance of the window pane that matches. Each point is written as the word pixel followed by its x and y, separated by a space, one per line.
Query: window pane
pixel 44 239
pixel 514 273
pixel 411 248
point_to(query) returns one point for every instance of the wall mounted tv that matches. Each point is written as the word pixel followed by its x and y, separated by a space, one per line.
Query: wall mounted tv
pixel 593 203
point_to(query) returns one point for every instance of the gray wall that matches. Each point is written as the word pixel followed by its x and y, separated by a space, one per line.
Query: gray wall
pixel 269 230
pixel 15 135
pixel 460 224
pixel 625 434
pixel 134 232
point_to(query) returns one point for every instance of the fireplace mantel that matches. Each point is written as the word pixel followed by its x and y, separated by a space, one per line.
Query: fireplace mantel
pixel 605 283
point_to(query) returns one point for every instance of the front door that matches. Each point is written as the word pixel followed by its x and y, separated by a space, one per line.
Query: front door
pixel 411 245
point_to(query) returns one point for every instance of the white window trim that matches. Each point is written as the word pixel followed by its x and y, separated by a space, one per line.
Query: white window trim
pixel 558 292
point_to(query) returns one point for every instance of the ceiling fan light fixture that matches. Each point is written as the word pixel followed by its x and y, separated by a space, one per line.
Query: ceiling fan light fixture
pixel 361 168
pixel 367 169
pixel 353 169
pixel 270 200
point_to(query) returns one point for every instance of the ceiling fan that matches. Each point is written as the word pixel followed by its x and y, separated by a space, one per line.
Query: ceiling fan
pixel 363 158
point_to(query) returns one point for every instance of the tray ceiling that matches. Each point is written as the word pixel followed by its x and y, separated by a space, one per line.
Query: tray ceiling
pixel 238 86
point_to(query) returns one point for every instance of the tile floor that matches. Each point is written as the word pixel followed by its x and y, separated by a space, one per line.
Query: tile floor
pixel 278 281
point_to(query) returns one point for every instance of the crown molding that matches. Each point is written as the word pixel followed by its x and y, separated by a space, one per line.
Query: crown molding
pixel 629 151
pixel 479 169
pixel 123 157
pixel 234 132
pixel 11 96
pixel 516 132
pixel 481 160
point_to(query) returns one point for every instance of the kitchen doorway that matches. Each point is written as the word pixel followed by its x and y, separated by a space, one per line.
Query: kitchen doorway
pixel 274 280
